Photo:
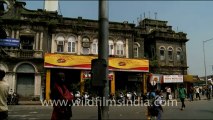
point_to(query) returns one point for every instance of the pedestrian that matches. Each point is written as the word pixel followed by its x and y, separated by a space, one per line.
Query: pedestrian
pixel 61 94
pixel 209 91
pixel 197 92
pixel 151 111
pixel 191 93
pixel 182 96
pixel 158 104
pixel 168 93
pixel 4 91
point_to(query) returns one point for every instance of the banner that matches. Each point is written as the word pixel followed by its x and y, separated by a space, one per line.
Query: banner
pixel 155 78
pixel 84 62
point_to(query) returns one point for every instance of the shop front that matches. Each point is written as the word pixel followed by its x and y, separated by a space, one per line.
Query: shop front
pixel 191 81
pixel 172 81
pixel 124 73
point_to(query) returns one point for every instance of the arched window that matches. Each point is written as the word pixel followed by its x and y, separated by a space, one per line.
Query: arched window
pixel 162 53
pixel 135 50
pixel 95 46
pixel 71 48
pixel 111 47
pixel 179 50
pixel 60 43
pixel 170 53
pixel 25 68
pixel 119 48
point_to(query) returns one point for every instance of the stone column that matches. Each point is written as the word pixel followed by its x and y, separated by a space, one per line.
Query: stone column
pixel 37 88
pixel 79 45
pixel 53 46
pixel 13 34
pixel 17 34
pixel 41 41
pixel 127 48
pixel 36 42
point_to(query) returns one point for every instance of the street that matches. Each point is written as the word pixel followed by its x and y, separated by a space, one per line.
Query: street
pixel 202 109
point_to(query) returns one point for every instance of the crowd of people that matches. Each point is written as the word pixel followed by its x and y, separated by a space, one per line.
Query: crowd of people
pixel 182 93
pixel 198 91
pixel 155 97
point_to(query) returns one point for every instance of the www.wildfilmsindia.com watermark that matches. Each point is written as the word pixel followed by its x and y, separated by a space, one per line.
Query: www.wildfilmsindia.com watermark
pixel 106 102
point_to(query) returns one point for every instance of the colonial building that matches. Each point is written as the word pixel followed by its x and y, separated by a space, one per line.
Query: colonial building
pixel 42 43
pixel 23 50
pixel 166 50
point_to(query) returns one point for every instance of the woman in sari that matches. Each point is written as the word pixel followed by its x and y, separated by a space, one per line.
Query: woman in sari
pixel 61 98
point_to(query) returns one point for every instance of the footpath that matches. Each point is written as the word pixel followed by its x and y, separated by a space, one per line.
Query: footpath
pixel 29 102
pixel 203 97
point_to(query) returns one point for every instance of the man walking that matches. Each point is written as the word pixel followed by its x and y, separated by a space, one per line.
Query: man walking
pixel 197 92
pixel 168 93
pixel 182 95
pixel 4 90
pixel 191 93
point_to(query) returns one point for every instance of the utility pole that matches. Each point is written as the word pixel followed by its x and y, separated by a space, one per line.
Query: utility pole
pixel 204 58
pixel 103 54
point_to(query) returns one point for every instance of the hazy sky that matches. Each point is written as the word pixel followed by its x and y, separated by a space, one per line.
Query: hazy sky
pixel 192 17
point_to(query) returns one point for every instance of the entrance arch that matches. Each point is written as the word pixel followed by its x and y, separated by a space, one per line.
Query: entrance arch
pixel 25 74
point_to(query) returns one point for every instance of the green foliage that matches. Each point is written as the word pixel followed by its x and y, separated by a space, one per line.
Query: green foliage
pixel 154 63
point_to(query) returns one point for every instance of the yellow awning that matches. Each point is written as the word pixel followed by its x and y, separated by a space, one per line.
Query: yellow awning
pixel 190 78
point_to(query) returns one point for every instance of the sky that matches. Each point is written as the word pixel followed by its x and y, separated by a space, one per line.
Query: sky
pixel 192 17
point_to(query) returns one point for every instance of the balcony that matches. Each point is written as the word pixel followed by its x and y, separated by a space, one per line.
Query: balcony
pixel 23 53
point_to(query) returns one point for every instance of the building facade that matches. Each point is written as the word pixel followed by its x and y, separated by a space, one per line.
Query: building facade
pixel 47 41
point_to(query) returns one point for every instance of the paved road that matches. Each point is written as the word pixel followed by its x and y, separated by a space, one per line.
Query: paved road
pixel 202 109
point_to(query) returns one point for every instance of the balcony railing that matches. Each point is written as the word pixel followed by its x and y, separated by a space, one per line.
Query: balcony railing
pixel 24 53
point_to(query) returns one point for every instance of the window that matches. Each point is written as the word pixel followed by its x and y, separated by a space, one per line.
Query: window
pixel 162 53
pixel 95 46
pixel 135 50
pixel 170 53
pixel 111 47
pixel 85 51
pixel 27 42
pixel 179 54
pixel 71 44
pixel 119 48
pixel 60 44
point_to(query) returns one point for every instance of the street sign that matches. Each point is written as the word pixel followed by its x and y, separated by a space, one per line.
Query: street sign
pixel 10 42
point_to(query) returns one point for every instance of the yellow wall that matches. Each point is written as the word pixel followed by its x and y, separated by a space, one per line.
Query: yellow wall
pixel 144 83
pixel 81 83
pixel 113 84
pixel 47 85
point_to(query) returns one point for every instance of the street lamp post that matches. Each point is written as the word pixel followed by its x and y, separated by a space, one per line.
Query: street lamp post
pixel 204 57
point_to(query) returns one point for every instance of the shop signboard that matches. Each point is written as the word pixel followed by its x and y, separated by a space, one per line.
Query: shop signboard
pixel 84 63
pixel 9 42
pixel 172 78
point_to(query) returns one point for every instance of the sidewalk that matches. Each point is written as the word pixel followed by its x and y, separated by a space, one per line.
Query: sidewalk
pixel 29 102
pixel 39 102
pixel 202 97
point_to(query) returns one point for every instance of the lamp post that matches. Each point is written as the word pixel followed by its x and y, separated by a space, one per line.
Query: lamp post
pixel 204 57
